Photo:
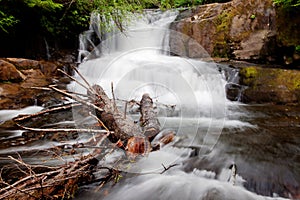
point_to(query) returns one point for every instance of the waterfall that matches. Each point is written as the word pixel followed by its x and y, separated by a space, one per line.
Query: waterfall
pixel 88 40
pixel 47 49
pixel 138 61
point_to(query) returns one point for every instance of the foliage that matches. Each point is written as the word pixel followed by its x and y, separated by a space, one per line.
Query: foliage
pixel 48 5
pixel 68 17
pixel 287 3
pixel 25 22
pixel 7 21
pixel 253 16
pixel 297 48
pixel 184 3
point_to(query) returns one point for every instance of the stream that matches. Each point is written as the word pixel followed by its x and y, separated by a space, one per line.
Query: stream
pixel 214 136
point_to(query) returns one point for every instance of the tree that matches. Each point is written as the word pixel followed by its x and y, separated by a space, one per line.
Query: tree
pixel 287 3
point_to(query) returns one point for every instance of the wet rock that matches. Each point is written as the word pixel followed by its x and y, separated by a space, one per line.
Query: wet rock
pixel 22 63
pixel 270 85
pixel 8 72
pixel 233 91
pixel 34 78
pixel 14 96
pixel 31 74
pixel 239 29
pixel 251 47
pixel 48 68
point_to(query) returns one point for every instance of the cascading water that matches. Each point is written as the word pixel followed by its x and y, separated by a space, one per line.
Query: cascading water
pixel 138 62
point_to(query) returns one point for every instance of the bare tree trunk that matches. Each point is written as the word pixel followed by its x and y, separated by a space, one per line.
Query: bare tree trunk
pixel 124 128
pixel 148 120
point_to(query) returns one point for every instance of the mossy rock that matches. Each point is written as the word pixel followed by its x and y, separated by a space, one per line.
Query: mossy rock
pixel 270 85
pixel 248 75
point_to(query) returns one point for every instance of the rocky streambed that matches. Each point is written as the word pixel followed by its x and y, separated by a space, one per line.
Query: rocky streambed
pixel 20 79
pixel 264 147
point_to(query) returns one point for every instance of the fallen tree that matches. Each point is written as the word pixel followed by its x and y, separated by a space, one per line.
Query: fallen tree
pixel 44 182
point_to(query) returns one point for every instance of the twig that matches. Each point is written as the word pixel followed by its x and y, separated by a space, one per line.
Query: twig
pixel 17 189
pixel 167 168
pixel 71 77
pixel 113 95
pixel 125 110
pixel 20 161
pixel 86 82
pixel 63 130
pixel 55 109
pixel 36 182
pixel 40 88
pixel 49 89
pixel 80 100
pixel 99 121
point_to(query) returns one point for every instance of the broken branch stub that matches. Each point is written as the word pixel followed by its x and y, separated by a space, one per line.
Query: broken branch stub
pixel 111 117
pixel 148 119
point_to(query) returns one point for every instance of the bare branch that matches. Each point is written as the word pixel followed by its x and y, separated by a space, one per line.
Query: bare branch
pixel 63 130
pixel 71 77
pixel 55 109
pixel 86 82
pixel 167 168
pixel 80 100
pixel 99 121
pixel 113 95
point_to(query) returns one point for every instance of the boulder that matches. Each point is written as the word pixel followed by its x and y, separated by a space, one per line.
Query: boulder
pixel 22 63
pixel 240 29
pixel 8 72
pixel 34 78
pixel 48 68
pixel 16 86
pixel 270 85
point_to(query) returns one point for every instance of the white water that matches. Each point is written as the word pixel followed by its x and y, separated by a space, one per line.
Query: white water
pixel 135 64
pixel 9 114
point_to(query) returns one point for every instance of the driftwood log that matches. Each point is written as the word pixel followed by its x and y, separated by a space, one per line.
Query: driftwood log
pixel 124 128
pixel 148 120
pixel 134 139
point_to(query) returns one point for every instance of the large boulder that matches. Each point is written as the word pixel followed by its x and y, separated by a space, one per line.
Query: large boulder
pixel 270 85
pixel 8 72
pixel 239 29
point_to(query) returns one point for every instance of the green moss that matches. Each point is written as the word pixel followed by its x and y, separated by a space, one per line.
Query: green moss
pixel 223 21
pixel 296 84
pixel 249 72
pixel 272 78
pixel 248 75
pixel 221 46
pixel 252 17
pixel 290 78
pixel 221 50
